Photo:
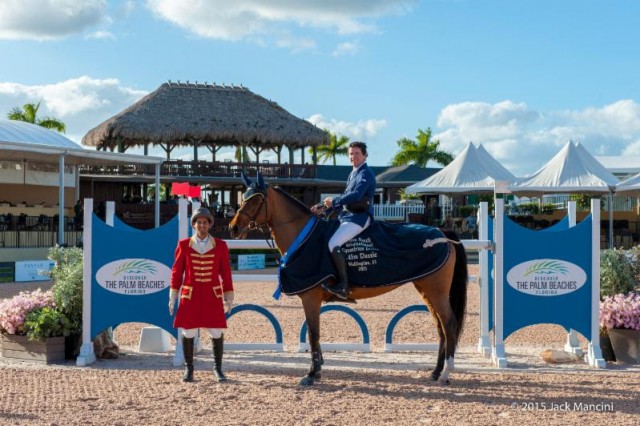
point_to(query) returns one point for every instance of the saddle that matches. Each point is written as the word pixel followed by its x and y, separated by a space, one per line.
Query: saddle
pixel 383 254
pixel 358 207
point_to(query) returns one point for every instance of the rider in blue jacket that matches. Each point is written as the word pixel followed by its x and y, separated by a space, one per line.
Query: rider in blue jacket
pixel 356 204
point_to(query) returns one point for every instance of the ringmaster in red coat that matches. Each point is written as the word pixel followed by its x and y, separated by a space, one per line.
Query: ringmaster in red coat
pixel 201 275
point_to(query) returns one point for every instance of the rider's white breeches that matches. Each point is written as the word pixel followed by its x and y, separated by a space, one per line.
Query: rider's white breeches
pixel 345 232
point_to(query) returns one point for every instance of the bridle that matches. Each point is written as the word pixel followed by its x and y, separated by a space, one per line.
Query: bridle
pixel 265 228
pixel 252 225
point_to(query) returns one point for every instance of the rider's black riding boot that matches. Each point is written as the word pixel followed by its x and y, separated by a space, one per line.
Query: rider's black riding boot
pixel 341 287
pixel 218 348
pixel 187 350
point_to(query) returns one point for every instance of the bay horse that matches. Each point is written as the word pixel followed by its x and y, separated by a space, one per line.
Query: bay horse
pixel 444 291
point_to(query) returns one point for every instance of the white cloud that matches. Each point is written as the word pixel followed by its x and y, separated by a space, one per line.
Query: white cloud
pixel 48 19
pixel 346 48
pixel 295 44
pixel 256 20
pixel 126 9
pixel 81 103
pixel 101 35
pixel 362 130
pixel 524 139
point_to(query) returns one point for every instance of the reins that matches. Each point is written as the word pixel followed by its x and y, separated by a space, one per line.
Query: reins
pixel 265 228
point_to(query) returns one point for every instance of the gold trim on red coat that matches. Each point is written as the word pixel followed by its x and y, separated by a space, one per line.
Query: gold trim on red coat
pixel 215 291
pixel 201 268
pixel 202 256
pixel 186 296
pixel 202 262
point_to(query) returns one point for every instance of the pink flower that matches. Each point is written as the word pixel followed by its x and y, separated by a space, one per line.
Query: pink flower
pixel 14 311
pixel 621 311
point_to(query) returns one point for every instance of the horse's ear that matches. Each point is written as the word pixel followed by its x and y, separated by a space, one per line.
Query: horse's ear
pixel 260 181
pixel 245 179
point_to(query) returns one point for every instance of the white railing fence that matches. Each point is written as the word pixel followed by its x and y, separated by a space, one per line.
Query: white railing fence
pixel 396 211
pixel 621 203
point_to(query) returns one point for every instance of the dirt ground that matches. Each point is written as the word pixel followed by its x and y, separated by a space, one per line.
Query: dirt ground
pixel 356 388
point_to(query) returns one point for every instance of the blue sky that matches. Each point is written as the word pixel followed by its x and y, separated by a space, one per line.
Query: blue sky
pixel 521 77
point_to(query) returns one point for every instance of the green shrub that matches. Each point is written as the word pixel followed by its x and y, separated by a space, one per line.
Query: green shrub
pixel 67 287
pixel 406 196
pixel 46 322
pixel 633 256
pixel 617 274
pixel 529 208
pixel 490 202
pixel 464 211
pixel 548 208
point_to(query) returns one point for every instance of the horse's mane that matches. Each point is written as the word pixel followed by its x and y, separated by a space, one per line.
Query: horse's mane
pixel 297 203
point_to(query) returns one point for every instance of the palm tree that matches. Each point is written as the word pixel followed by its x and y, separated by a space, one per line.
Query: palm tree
pixel 337 146
pixel 29 113
pixel 420 152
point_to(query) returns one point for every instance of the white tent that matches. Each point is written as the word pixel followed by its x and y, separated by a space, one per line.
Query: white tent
pixel 629 185
pixel 571 170
pixel 474 170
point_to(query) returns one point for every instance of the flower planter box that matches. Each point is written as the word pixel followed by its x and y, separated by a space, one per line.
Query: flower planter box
pixel 626 345
pixel 605 346
pixel 21 348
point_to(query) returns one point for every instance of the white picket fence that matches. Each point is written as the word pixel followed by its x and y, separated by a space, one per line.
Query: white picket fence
pixel 395 211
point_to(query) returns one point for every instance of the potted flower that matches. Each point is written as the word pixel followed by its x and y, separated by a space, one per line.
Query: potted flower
pixel 618 272
pixel 620 316
pixel 32 328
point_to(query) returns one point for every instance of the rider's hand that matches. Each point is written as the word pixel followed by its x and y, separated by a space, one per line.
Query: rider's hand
pixel 318 209
pixel 228 301
pixel 173 295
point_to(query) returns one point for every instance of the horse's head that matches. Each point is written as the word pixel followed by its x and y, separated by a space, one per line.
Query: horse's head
pixel 252 213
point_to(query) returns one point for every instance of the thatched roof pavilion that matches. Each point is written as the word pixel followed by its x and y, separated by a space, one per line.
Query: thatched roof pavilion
pixel 187 114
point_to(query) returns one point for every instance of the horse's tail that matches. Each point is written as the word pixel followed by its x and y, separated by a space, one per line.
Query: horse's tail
pixel 458 291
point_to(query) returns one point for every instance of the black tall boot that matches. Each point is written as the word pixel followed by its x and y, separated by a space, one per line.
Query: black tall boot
pixel 187 350
pixel 341 287
pixel 218 349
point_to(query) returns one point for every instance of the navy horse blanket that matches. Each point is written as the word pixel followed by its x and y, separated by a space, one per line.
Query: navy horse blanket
pixel 384 254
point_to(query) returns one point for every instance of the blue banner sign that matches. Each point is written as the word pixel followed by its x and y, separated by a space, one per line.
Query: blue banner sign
pixel 548 277
pixel 131 273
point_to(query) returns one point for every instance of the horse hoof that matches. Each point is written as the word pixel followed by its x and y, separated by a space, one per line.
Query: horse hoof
pixel 444 382
pixel 435 376
pixel 306 381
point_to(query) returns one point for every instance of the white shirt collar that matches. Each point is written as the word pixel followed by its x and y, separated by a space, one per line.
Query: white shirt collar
pixel 359 167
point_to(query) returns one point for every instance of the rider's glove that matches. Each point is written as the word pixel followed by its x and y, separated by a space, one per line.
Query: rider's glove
pixel 228 301
pixel 173 295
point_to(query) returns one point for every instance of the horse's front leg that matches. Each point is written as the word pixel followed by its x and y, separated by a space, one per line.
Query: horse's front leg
pixel 311 301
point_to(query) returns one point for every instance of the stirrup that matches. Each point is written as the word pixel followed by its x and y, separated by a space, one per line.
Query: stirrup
pixel 335 299
pixel 344 294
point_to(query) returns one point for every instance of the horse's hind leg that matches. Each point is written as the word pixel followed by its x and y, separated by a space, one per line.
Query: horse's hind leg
pixel 435 373
pixel 447 332
pixel 434 290
pixel 311 301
